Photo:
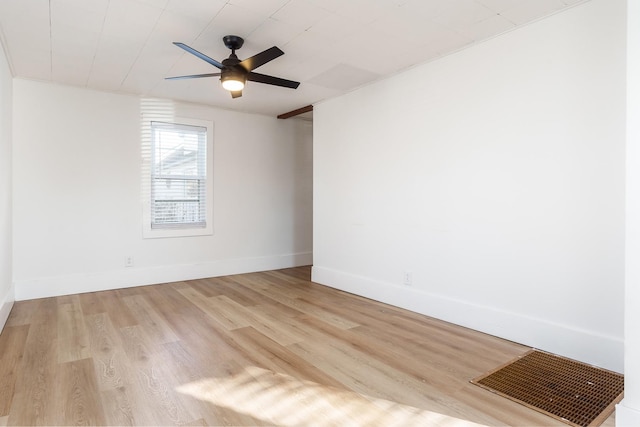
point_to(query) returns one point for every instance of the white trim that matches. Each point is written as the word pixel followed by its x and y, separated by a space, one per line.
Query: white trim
pixel 626 417
pixel 629 409
pixel 167 117
pixel 132 276
pixel 6 305
pixel 583 345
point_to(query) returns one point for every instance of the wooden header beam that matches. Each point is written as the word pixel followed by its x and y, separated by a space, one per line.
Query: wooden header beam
pixel 296 112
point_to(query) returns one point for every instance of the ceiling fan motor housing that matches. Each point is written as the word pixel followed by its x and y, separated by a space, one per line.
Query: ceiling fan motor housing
pixel 233 42
pixel 232 70
pixel 237 74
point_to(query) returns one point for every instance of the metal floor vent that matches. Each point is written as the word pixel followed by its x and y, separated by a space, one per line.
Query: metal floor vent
pixel 573 392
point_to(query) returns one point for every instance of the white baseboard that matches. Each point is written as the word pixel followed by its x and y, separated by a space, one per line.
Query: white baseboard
pixel 6 303
pixel 583 345
pixel 129 277
pixel 627 417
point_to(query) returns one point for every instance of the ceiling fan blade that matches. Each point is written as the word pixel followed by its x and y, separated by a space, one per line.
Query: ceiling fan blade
pixel 261 58
pixel 193 76
pixel 236 93
pixel 199 55
pixel 270 80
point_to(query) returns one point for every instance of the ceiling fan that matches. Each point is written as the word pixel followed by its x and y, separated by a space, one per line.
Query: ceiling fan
pixel 234 73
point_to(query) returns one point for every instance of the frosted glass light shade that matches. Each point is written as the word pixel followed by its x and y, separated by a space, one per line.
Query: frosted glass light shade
pixel 233 85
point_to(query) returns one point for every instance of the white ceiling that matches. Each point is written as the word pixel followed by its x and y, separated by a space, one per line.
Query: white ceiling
pixel 331 46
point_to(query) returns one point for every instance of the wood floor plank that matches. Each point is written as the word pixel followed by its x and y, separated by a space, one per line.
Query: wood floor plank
pixel 278 396
pixel 154 377
pixel 280 276
pixel 91 303
pixel 301 273
pixel 194 327
pixel 77 399
pixel 207 287
pixel 397 355
pixel 113 374
pixel 290 325
pixel 499 407
pixel 73 341
pixel 191 364
pixel 137 345
pixel 148 318
pixel 264 348
pixel 222 310
pixel 196 373
pixel 399 328
pixel 198 422
pixel 270 300
pixel 366 375
pixel 22 312
pixel 153 383
pixel 12 344
pixel 108 353
pixel 230 287
pixel 233 315
pixel 284 297
pixel 147 397
pixel 118 407
pixel 176 310
pixel 118 312
pixel 47 312
pixel 34 394
pixel 263 324
pixel 192 374
pixel 272 397
pixel 268 354
pixel 410 367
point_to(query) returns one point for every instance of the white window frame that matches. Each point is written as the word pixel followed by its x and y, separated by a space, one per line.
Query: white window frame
pixel 178 230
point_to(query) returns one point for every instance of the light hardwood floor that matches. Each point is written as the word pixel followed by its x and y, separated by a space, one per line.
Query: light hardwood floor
pixel 267 348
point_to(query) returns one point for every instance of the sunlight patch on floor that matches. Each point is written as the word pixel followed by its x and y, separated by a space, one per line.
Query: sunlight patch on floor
pixel 284 400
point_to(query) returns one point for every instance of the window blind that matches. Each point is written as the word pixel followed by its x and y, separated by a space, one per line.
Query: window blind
pixel 178 175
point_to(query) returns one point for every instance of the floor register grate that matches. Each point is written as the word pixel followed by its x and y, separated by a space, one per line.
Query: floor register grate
pixel 570 391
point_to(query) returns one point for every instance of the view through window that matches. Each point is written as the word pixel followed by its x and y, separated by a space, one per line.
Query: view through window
pixel 178 175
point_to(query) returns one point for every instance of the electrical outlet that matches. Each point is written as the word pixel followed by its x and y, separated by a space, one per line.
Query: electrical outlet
pixel 128 261
pixel 407 278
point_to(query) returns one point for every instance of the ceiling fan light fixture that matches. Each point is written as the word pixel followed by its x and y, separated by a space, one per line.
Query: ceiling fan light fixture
pixel 234 73
pixel 233 81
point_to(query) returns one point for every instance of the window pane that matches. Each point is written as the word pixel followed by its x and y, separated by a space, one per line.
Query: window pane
pixel 176 153
pixel 178 175
pixel 178 201
pixel 177 212
pixel 176 189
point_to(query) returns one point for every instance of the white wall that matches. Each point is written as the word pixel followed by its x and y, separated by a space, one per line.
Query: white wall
pixel 496 177
pixel 6 100
pixel 77 204
pixel 628 412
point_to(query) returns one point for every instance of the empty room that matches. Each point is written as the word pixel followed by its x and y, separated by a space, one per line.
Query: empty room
pixel 320 212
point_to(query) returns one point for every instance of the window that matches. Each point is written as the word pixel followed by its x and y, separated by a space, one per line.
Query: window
pixel 179 186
